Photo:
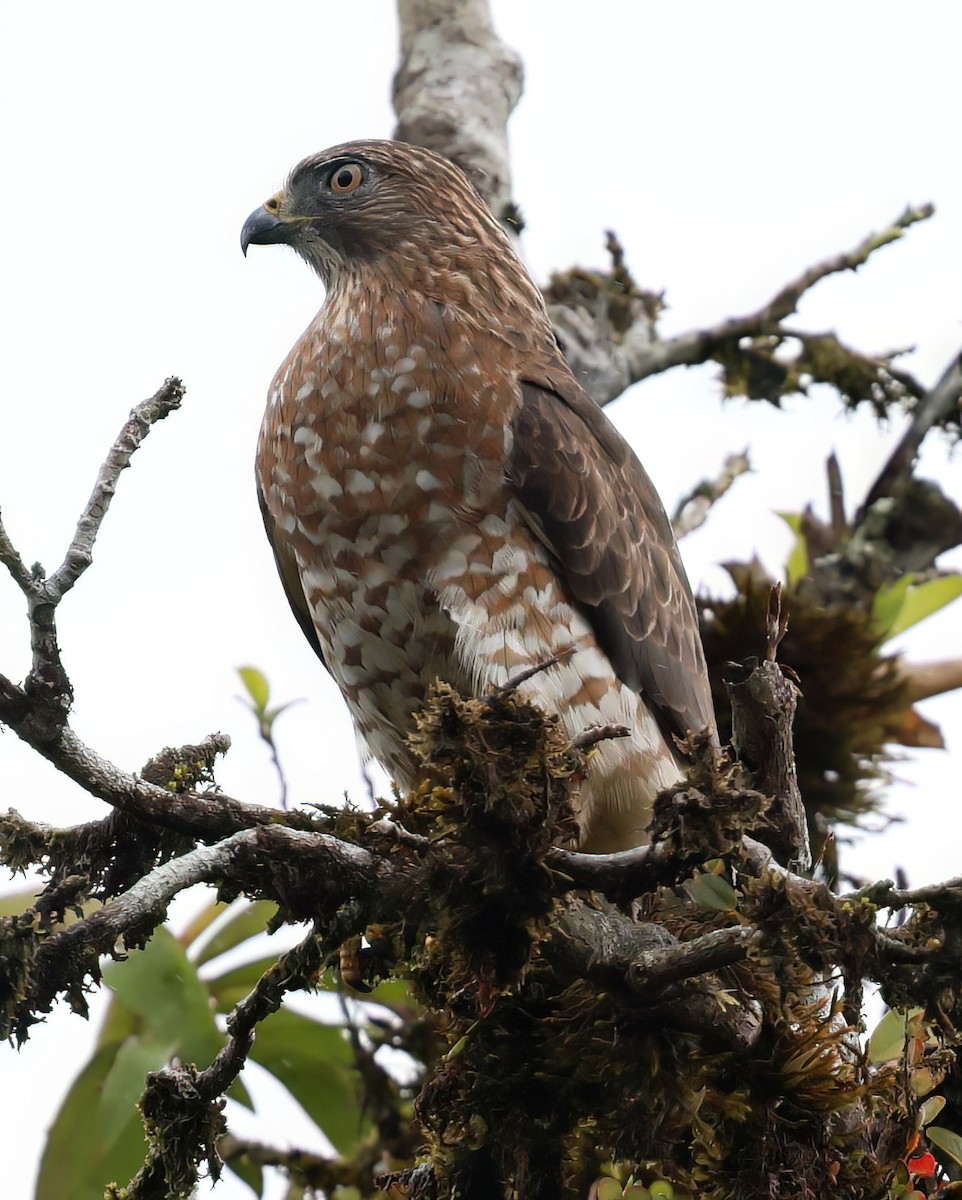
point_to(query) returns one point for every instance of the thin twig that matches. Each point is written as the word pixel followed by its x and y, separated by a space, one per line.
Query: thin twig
pixel 934 407
pixel 529 672
pixel 47 685
pixel 599 733
pixel 166 399
pixel 641 357
pixel 692 510
pixel 209 816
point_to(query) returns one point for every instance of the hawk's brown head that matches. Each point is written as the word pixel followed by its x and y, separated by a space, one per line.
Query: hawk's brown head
pixel 369 200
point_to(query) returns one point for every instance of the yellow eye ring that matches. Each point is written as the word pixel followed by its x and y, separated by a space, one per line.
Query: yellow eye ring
pixel 348 177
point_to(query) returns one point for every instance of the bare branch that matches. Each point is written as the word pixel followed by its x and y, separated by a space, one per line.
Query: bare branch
pixel 23 577
pixel 599 733
pixel 692 510
pixel 208 816
pixel 884 894
pixel 699 345
pixel 529 672
pixel 944 399
pixel 47 685
pixel 648 963
pixel 166 399
pixel 625 872
pixel 314 1169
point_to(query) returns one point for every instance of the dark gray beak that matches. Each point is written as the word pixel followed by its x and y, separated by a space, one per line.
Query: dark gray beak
pixel 263 228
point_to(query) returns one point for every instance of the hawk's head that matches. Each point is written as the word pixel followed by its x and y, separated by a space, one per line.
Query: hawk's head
pixel 375 200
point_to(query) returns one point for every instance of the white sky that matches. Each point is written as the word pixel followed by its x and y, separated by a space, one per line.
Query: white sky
pixel 729 145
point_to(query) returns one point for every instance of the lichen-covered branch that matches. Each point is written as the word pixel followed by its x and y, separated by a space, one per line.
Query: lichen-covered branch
pixel 208 816
pixel 41 965
pixel 763 704
pixel 183 1106
pixel 609 355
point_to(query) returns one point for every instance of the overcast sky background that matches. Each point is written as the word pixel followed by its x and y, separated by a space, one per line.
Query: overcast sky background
pixel 730 146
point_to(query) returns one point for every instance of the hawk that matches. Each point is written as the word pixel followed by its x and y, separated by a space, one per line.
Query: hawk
pixel 443 498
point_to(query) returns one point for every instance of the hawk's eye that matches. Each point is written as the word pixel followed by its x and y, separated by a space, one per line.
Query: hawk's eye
pixel 346 178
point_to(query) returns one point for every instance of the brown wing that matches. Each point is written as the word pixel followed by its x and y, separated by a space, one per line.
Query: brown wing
pixel 591 503
pixel 290 579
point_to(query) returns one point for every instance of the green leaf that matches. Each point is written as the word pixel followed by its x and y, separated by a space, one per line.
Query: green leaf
pixel 202 922
pixel 929 1110
pixel 160 984
pixel 887 1041
pixel 797 564
pixel 15 903
pixel 922 1081
pixel 119 1024
pixel 922 600
pixel 887 604
pixel 315 1063
pixel 712 892
pixel 247 1172
pixel 246 921
pixel 607 1189
pixel 947 1141
pixel 77 1158
pixel 173 1006
pixel 231 987
pixel 124 1085
pixel 394 994
pixel 257 687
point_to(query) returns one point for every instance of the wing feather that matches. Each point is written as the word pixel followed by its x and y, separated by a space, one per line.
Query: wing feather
pixel 289 572
pixel 591 503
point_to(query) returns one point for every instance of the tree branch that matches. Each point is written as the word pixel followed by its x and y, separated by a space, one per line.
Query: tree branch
pixel 143 417
pixel 47 685
pixel 183 1107
pixel 692 510
pixel 648 964
pixel 208 816
pixel 282 862
pixel 608 360
pixel 934 408
pixel 699 345
pixel 454 90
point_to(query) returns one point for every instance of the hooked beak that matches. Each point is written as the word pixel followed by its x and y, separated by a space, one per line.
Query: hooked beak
pixel 263 228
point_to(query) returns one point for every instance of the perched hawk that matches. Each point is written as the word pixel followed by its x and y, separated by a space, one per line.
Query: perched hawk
pixel 443 498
